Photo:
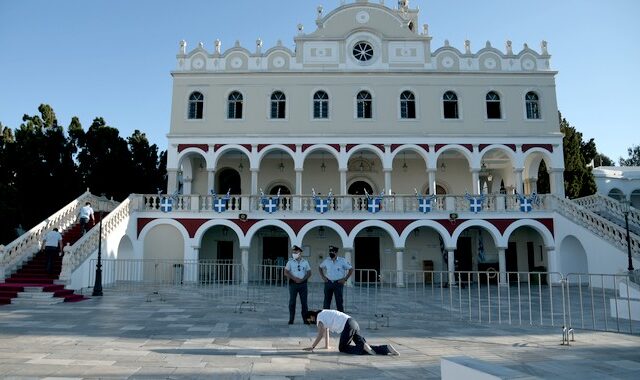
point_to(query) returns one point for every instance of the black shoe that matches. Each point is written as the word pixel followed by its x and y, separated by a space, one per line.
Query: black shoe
pixel 290 322
pixel 306 323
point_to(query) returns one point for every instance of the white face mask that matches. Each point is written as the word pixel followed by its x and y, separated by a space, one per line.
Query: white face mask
pixel 296 256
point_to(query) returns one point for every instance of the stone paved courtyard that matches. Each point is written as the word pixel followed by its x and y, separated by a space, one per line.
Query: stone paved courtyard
pixel 178 334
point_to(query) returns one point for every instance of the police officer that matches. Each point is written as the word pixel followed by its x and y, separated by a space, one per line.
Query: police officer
pixel 335 271
pixel 298 271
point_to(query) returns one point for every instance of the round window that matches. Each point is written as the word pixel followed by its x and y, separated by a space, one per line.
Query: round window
pixel 363 51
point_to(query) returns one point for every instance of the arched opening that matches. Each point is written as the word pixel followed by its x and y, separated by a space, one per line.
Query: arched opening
pixel 496 172
pixel 573 257
pixel 616 194
pixel 219 250
pixel 635 198
pixel 270 246
pixel 475 251
pixel 525 252
pixel 229 180
pixel 544 182
pixel 424 251
pixel 320 173
pixel 454 169
pixel 373 255
pixel 409 172
pixel 163 255
pixel 315 245
pixel 192 174
pixel 279 189
pixel 359 188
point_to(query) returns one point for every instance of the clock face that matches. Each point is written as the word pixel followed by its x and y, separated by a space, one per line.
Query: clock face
pixel 197 63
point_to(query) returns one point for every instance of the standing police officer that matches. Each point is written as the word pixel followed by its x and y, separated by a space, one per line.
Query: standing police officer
pixel 335 271
pixel 298 271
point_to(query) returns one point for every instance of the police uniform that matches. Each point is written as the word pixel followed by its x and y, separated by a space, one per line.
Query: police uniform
pixel 334 271
pixel 298 269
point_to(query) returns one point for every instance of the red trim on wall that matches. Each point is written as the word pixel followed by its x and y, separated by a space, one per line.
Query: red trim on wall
pixel 290 146
pixel 548 147
pixel 245 224
pixel 348 225
pixel 218 146
pixel 247 146
pixel 202 147
pixel 305 146
pixel 399 224
pixel 296 224
pixel 424 146
pixel 510 146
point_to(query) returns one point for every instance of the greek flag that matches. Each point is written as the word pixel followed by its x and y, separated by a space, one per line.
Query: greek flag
pixel 220 204
pixel 526 204
pixel 475 203
pixel 269 204
pixel 374 203
pixel 322 205
pixel 424 203
pixel 166 203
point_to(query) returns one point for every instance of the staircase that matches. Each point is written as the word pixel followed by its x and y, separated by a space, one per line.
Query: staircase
pixel 31 284
pixel 611 209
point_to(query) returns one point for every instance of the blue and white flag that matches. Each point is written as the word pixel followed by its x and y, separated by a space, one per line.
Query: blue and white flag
pixel 220 204
pixel 322 205
pixel 526 204
pixel 475 203
pixel 374 203
pixel 166 203
pixel 424 203
pixel 269 204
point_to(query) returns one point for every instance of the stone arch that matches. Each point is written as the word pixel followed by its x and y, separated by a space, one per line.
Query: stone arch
pixel 125 249
pixel 164 250
pixel 572 256
pixel 191 152
pixel 362 148
pixel 266 223
pixel 616 194
pixel 277 147
pixel 219 222
pixel 493 231
pixel 324 223
pixel 393 234
pixel 457 148
pixel 412 147
pixel 439 228
pixel 321 147
pixel 634 197
pixel 231 147
pixel 547 236
pixel 143 232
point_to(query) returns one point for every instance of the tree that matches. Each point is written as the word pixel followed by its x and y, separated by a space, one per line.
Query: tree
pixel 148 171
pixel 634 157
pixel 602 160
pixel 578 178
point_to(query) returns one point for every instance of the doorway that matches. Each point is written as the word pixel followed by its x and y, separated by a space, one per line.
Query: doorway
pixel 224 265
pixel 511 256
pixel 275 250
pixel 367 256
pixel 464 262
pixel 229 180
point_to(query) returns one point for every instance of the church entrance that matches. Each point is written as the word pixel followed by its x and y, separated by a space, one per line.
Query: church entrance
pixel 367 256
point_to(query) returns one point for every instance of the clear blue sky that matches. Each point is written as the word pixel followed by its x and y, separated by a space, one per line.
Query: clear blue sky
pixel 112 58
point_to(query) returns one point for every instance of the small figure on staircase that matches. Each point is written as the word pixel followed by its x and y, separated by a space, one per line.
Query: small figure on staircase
pixel 86 213
pixel 52 245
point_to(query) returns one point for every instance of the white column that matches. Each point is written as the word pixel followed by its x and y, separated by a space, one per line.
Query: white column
pixel 451 259
pixel 553 266
pixel 298 203
pixel 254 181
pixel 399 268
pixel 349 257
pixel 346 202
pixel 518 174
pixel 244 259
pixel 502 266
pixel 187 185
pixel 533 185
pixel 475 180
pixel 432 180
pixel 189 272
pixel 557 182
pixel 387 179
pixel 211 177
pixel 172 181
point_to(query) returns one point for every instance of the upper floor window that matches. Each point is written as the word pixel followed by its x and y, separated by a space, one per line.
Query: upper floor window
pixel 364 105
pixel 407 105
pixel 493 105
pixel 234 105
pixel 363 51
pixel 320 105
pixel 532 104
pixel 196 105
pixel 278 104
pixel 450 105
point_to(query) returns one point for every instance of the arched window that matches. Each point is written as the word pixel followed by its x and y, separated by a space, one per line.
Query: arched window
pixel 407 105
pixel 234 105
pixel 493 105
pixel 196 105
pixel 533 105
pixel 364 105
pixel 450 105
pixel 320 105
pixel 278 104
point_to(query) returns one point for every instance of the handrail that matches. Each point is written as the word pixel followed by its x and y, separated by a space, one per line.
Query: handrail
pixel 28 243
pixel 601 203
pixel 76 254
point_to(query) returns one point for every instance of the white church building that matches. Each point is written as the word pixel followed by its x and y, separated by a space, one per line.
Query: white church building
pixel 328 144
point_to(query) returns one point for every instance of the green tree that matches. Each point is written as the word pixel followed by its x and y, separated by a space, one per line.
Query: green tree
pixel 8 194
pixel 634 157
pixel 578 178
pixel 602 160
pixel 148 170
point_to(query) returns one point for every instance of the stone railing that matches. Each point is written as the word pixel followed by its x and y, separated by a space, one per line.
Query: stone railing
pixel 600 203
pixel 600 226
pixel 25 246
pixel 345 204
pixel 76 254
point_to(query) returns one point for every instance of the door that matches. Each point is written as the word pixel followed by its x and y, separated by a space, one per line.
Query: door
pixel 367 256
pixel 511 256
pixel 463 258
pixel 224 267
pixel 229 180
pixel 275 250
pixel 531 257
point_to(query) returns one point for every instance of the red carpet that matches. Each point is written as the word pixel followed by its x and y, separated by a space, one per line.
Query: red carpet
pixel 34 274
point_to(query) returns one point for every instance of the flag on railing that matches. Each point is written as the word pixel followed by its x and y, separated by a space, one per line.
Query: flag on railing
pixel 480 247
pixel 374 203
pixel 166 203
pixel 424 203
pixel 269 204
pixel 322 205
pixel 220 204
pixel 526 204
pixel 475 203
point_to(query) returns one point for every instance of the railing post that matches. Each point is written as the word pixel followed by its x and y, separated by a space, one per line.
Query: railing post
pixel 195 202
pixel 400 267
pixel 245 264
pixel 349 259
pixel 451 266
pixel 502 264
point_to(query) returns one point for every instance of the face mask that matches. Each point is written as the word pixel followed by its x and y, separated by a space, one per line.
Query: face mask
pixel 296 256
pixel 332 255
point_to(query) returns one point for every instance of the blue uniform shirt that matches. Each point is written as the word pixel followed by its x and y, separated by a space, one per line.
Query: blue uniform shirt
pixel 335 270
pixel 297 268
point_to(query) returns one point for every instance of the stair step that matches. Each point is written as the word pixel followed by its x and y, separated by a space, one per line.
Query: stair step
pixel 32 289
pixel 29 280
pixel 36 301
pixel 35 295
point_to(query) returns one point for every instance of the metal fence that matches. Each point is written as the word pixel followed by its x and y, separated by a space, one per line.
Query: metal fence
pixel 582 301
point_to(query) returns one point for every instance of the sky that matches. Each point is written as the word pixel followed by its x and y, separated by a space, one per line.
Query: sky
pixel 112 58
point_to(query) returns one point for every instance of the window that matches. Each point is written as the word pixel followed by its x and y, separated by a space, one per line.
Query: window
pixel 407 105
pixel 363 51
pixel 320 105
pixel 234 106
pixel 364 104
pixel 493 105
pixel 450 105
pixel 196 105
pixel 278 103
pixel 533 106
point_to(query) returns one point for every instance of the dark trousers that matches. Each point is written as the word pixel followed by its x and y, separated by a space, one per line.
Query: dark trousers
pixel 84 223
pixel 351 333
pixel 51 253
pixel 294 290
pixel 331 288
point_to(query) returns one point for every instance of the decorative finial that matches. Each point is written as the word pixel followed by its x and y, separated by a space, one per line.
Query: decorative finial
pixel 201 45
pixel 300 28
pixel 467 47
pixel 488 44
pixel 258 45
pixel 237 44
pixel 446 43
pixel 217 45
pixel 319 10
pixel 509 48
pixel 543 47
pixel 183 47
pixel 526 46
pixel 279 43
pixel 425 29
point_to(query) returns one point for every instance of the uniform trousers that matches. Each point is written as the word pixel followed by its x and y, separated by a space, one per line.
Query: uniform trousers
pixel 332 288
pixel 294 290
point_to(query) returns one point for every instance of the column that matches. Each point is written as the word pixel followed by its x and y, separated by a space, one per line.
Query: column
pixel 502 266
pixel 211 177
pixel 399 268
pixel 297 205
pixel 432 180
pixel 475 180
pixel 553 266
pixel 188 273
pixel 349 257
pixel 247 204
pixel 557 182
pixel 172 181
pixel 533 185
pixel 451 260
pixel 244 259
pixel 187 185
pixel 254 181
pixel 387 180
pixel 518 173
pixel 346 202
